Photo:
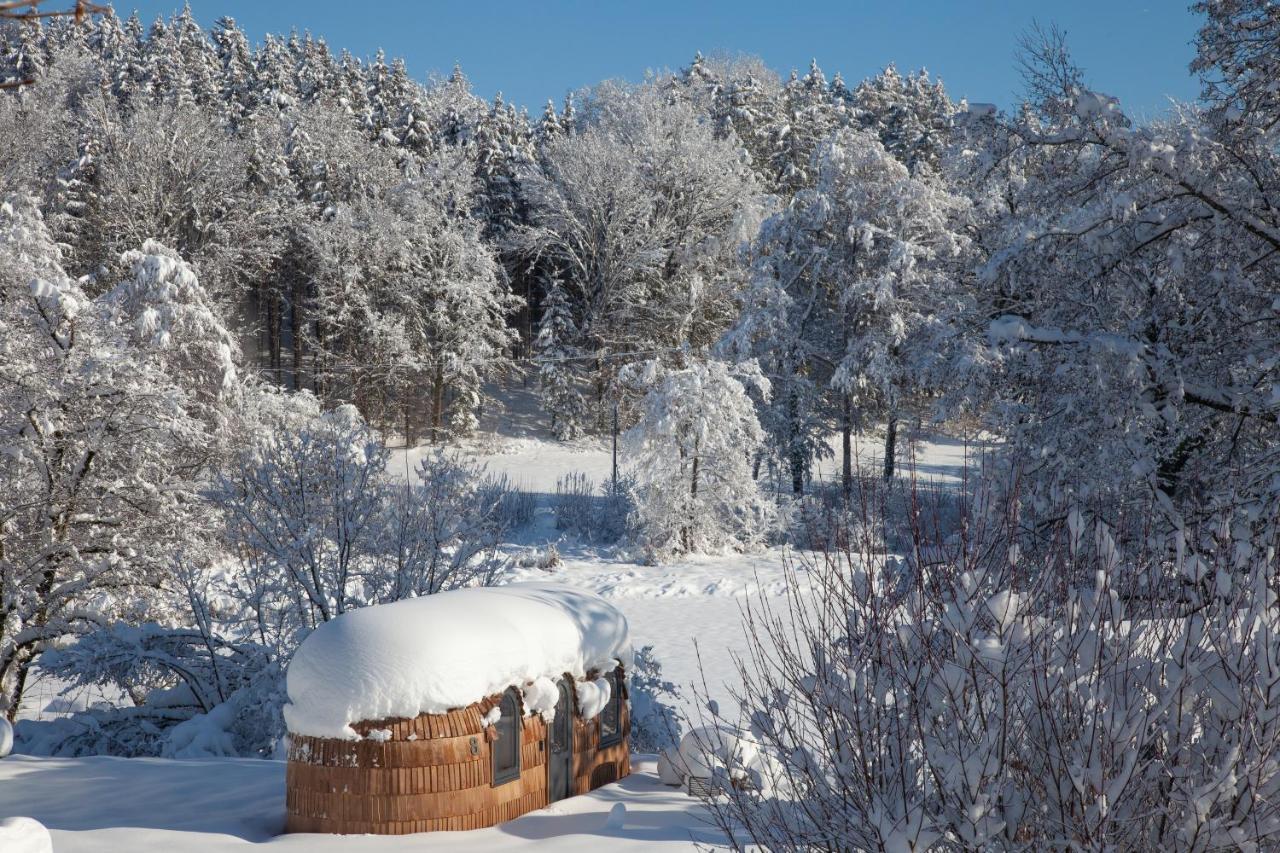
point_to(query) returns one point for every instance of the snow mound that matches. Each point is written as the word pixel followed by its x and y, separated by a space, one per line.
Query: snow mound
pixel 433 654
pixel 593 696
pixel 24 835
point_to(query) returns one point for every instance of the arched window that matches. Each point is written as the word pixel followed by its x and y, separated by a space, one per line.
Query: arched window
pixel 611 716
pixel 506 749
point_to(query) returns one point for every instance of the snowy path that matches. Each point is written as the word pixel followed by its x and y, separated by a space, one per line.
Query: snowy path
pixel 96 805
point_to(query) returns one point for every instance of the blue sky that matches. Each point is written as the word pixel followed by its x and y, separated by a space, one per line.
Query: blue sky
pixel 1137 50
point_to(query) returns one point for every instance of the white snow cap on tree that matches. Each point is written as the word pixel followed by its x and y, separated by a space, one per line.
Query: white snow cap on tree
pixel 169 310
pixel 432 654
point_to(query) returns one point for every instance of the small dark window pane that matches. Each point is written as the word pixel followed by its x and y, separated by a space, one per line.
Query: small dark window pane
pixel 506 749
pixel 611 716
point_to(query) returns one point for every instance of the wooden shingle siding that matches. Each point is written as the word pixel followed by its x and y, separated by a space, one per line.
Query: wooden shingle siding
pixel 435 772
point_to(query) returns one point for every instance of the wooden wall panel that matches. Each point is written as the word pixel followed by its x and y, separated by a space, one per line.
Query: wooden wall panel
pixel 433 773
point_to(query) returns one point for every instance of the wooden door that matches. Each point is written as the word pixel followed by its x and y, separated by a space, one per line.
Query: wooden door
pixel 560 747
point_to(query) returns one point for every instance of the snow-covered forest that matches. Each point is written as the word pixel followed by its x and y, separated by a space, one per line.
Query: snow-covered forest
pixel 277 323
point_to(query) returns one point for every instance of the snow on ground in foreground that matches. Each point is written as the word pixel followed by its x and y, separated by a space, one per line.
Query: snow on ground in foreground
pixel 94 805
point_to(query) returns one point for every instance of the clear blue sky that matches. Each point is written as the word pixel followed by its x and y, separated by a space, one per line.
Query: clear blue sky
pixel 1137 50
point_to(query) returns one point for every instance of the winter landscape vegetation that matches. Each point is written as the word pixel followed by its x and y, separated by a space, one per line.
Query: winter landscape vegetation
pixel 931 449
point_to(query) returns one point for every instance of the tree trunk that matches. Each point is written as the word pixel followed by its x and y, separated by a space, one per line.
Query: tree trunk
pixel 846 449
pixel 796 452
pixel 295 321
pixel 273 334
pixel 21 665
pixel 24 655
pixel 687 533
pixel 437 406
pixel 890 446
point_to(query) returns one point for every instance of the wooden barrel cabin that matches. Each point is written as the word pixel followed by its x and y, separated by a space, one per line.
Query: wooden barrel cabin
pixel 456 711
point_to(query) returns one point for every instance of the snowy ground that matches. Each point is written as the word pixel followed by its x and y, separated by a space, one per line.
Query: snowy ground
pixel 95 805
pixel 689 611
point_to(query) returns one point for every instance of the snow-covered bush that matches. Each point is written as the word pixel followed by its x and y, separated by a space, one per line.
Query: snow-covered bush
pixel 545 558
pixel 196 693
pixel 1006 701
pixel 316 529
pixel 303 509
pixel 574 503
pixel 513 506
pixel 104 439
pixel 656 720
pixel 448 525
pixel 601 516
pixel 616 513
pixel 877 514
pixel 692 454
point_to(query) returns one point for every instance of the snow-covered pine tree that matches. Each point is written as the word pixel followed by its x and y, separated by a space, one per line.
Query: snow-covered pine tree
pixel 199 58
pixel 549 126
pixel 806 115
pixel 911 115
pixel 236 95
pixel 24 58
pixel 558 359
pixel 71 208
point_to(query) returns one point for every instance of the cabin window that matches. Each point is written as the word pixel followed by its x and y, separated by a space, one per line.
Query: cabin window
pixel 611 716
pixel 506 749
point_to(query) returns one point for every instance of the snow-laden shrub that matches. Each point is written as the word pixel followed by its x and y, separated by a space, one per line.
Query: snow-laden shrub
pixel 447 526
pixel 602 515
pixel 692 452
pixel 874 514
pixel 1080 698
pixel 616 513
pixel 195 694
pixel 574 503
pixel 656 720
pixel 545 558
pixel 107 436
pixel 317 530
pixel 513 507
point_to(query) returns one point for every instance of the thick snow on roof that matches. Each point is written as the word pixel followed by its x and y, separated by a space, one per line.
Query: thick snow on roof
pixel 432 654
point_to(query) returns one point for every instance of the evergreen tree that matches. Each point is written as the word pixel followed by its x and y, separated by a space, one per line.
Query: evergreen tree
pixel 549 126
pixel 911 115
pixel 236 94
pixel 555 354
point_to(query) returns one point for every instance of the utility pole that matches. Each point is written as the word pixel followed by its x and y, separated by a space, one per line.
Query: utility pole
pixel 615 444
